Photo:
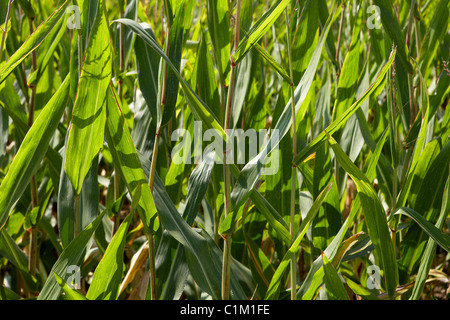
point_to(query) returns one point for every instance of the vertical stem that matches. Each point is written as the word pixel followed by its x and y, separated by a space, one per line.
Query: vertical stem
pixel 80 53
pixel 410 77
pixel 226 261
pixel 417 35
pixel 412 105
pixel 151 178
pixel 395 142
pixel 77 221
pixel 6 28
pixel 266 38
pixel 341 23
pixel 152 267
pixel 410 24
pixel 32 256
pixel 293 263
pixel 338 50
pixel 120 92
pixel 33 250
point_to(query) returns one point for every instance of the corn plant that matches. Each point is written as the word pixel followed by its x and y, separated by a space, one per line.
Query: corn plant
pixel 224 149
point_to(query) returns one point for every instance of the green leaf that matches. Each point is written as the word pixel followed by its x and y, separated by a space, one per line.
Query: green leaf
pixel 252 171
pixel 360 291
pixel 172 272
pixel 89 112
pixel 89 199
pixel 10 250
pixel 274 219
pixel 433 37
pixel 258 30
pixel 219 30
pixel 305 38
pixel 335 288
pixel 71 294
pixel 7 294
pixel 69 257
pixel 203 256
pixel 394 30
pixel 348 82
pixel 315 275
pixel 127 161
pixel 340 121
pixel 441 238
pixel 108 274
pixel 34 41
pixel 204 71
pixel 25 5
pixel 273 63
pixel 375 218
pixel 430 249
pixel 200 110
pixel 428 203
pixel 328 221
pixel 275 283
pixel 147 61
pixel 31 152
pixel 176 40
pixel 244 77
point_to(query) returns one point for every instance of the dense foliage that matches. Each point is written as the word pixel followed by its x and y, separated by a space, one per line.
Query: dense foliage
pixel 117 176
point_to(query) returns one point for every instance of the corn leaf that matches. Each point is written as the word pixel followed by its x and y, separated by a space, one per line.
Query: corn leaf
pixel 340 121
pixel 34 41
pixel 69 257
pixel 198 107
pixel 108 274
pixel 219 30
pixel 258 30
pixel 438 236
pixel 274 286
pixel 315 276
pixel 252 171
pixel 430 249
pixel 375 218
pixel 334 287
pixel 127 161
pixel 71 294
pixel 89 112
pixel 31 152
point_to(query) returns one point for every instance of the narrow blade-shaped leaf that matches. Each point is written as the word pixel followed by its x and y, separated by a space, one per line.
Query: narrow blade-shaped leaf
pixel 32 151
pixel 197 106
pixel 108 274
pixel 375 218
pixel 69 257
pixel 33 41
pixel 394 30
pixel 441 238
pixel 219 30
pixel 340 121
pixel 127 161
pixel 89 112
pixel 333 283
pixel 71 294
pixel 315 275
pixel 258 30
pixel 430 249
pixel 275 283
pixel 252 171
